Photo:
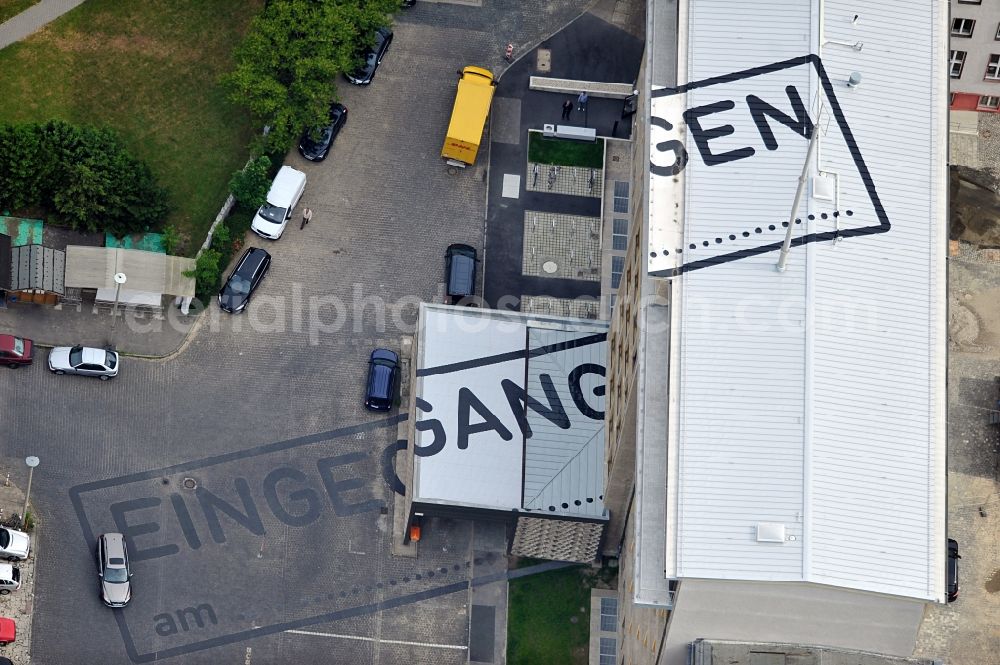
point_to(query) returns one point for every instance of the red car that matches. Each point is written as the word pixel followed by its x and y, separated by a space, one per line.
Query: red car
pixel 16 351
pixel 8 631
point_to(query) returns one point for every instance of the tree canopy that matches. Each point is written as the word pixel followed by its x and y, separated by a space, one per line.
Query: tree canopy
pixel 287 64
pixel 83 175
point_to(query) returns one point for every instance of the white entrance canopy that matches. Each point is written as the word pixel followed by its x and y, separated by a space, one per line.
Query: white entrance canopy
pixel 149 274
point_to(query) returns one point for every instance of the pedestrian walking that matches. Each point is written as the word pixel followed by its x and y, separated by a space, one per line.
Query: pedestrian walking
pixel 582 101
pixel 567 109
pixel 307 215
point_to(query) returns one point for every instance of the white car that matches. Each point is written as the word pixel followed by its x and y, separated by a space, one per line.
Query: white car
pixel 10 578
pixel 84 360
pixel 14 545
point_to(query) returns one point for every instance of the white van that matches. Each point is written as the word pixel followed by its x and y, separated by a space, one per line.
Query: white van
pixel 285 192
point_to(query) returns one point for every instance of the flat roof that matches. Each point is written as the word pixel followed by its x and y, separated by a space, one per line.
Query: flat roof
pixel 477 444
pixel 806 417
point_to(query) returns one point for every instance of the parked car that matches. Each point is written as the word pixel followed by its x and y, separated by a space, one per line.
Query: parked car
pixel 372 57
pixel 14 545
pixel 285 192
pixel 383 373
pixel 460 271
pixel 113 570
pixel 10 578
pixel 16 351
pixel 8 633
pixel 316 149
pixel 102 363
pixel 953 558
pixel 246 277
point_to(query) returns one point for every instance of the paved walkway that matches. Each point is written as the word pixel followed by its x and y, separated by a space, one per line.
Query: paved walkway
pixel 19 604
pixel 33 19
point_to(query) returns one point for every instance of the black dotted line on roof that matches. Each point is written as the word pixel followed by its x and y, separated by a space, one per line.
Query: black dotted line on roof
pixel 747 234
pixel 565 504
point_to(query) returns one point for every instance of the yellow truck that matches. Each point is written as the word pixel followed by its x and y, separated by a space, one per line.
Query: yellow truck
pixel 468 117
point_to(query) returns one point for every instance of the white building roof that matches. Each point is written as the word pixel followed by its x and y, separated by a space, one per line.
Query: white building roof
pixel 806 430
pixel 476 369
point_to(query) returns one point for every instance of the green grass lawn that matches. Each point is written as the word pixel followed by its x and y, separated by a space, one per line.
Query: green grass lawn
pixel 10 8
pixel 149 70
pixel 541 613
pixel 565 152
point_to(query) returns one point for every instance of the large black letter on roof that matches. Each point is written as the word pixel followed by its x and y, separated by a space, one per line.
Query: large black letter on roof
pixel 800 124
pixel 467 400
pixel 520 401
pixel 702 136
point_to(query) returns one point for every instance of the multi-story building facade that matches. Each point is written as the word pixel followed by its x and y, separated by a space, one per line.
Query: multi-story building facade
pixel 974 57
pixel 775 451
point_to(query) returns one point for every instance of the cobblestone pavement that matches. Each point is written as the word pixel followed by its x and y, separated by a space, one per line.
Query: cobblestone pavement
pixel 558 245
pixel 572 180
pixel 20 604
pixel 965 631
pixel 281 552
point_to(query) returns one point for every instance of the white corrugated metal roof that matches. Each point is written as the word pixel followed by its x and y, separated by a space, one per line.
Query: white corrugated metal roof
pixel 813 398
pixel 477 362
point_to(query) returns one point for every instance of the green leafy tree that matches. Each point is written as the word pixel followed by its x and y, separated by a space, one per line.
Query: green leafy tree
pixel 171 239
pixel 207 273
pixel 85 176
pixel 250 185
pixel 286 65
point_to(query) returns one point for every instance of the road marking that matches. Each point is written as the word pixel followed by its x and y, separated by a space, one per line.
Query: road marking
pixel 372 639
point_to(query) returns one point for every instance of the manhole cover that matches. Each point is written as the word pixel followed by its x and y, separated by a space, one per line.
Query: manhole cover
pixel 543 60
pixel 189 483
pixel 550 267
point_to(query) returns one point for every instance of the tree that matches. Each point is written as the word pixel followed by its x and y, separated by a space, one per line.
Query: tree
pixel 85 176
pixel 250 185
pixel 286 65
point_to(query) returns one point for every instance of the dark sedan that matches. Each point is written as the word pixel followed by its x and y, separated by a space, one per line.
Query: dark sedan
pixel 315 143
pixel 953 558
pixel 372 57
pixel 246 277
pixel 383 371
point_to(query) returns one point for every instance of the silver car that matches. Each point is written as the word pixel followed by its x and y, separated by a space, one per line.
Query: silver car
pixel 113 570
pixel 14 545
pixel 102 363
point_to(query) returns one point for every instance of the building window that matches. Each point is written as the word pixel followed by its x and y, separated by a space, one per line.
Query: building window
pixel 621 196
pixel 993 68
pixel 609 650
pixel 619 234
pixel 609 614
pixel 956 63
pixel 617 268
pixel 962 27
pixel 989 102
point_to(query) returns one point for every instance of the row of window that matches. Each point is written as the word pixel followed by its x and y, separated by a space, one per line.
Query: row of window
pixel 963 27
pixel 956 64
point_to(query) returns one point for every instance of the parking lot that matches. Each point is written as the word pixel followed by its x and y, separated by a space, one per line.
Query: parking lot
pixel 244 466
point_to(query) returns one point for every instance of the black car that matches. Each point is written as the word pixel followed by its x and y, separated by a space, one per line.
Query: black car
pixel 372 56
pixel 236 292
pixel 383 371
pixel 460 271
pixel 953 558
pixel 315 143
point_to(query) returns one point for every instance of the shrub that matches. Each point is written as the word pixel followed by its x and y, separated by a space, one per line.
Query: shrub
pixel 250 185
pixel 207 273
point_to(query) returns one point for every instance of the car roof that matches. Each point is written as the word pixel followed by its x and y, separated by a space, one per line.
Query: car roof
pixel 6 342
pixel 94 356
pixel 385 354
pixel 252 259
pixel 6 571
